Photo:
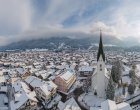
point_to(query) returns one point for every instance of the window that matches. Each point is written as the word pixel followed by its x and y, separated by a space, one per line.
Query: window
pixel 95 93
pixel 100 67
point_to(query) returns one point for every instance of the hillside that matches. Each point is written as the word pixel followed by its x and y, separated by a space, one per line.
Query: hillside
pixel 62 42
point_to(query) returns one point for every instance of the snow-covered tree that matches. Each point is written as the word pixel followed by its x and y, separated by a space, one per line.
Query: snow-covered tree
pixel 133 80
pixel 133 77
pixel 116 71
pixel 110 92
pixel 113 74
pixel 134 66
pixel 131 73
pixel 119 68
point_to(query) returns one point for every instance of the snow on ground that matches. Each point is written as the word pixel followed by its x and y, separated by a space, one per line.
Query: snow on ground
pixel 127 98
pixel 126 70
pixel 138 70
pixel 126 79
pixel 90 100
pixel 54 101
pixel 134 97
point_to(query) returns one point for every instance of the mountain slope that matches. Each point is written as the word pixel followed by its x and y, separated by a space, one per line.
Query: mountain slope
pixel 62 42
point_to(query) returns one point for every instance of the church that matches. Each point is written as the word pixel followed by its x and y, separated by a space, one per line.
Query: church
pixel 100 76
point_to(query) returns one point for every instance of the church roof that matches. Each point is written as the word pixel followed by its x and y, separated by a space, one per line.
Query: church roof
pixel 100 50
pixel 107 73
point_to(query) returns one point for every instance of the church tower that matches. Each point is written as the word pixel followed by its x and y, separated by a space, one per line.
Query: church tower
pixel 99 77
pixel 100 50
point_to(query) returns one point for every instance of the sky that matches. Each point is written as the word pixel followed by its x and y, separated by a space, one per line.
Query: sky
pixel 32 19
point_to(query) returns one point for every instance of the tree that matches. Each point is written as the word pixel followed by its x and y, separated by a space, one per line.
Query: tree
pixel 131 73
pixel 131 89
pixel 44 67
pixel 133 77
pixel 133 80
pixel 119 68
pixel 5 55
pixel 116 71
pixel 134 66
pixel 113 73
pixel 139 86
pixel 110 92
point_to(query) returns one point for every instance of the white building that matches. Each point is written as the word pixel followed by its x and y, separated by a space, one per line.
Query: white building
pixel 101 75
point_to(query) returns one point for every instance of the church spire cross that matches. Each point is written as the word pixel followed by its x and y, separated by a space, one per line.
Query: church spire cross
pixel 100 50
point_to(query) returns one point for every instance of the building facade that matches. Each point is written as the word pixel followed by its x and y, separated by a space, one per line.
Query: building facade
pixel 65 81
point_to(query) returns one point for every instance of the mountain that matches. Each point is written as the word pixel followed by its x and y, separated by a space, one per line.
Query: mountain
pixel 130 42
pixel 88 42
pixel 133 49
pixel 63 42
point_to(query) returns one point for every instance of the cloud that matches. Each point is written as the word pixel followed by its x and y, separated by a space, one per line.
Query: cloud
pixel 30 19
pixel 15 16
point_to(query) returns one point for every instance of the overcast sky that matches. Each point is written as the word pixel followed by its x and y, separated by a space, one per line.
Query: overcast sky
pixel 21 19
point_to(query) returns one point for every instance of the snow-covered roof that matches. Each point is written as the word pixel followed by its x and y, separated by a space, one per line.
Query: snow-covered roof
pixel 3 99
pixel 3 89
pixel 30 94
pixel 107 74
pixel 17 86
pixel 95 108
pixel 44 73
pixel 61 105
pixel 67 75
pixel 20 99
pixel 124 60
pixel 69 105
pixel 45 86
pixel 2 79
pixel 85 68
pixel 108 105
pixel 20 70
pixel 34 81
pixel 84 63
pixel 22 94
pixel 48 87
pixel 111 105
pixel 36 63
pixel 1 73
pixel 124 106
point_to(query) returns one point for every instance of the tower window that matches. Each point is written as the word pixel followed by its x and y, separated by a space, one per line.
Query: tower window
pixel 100 67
